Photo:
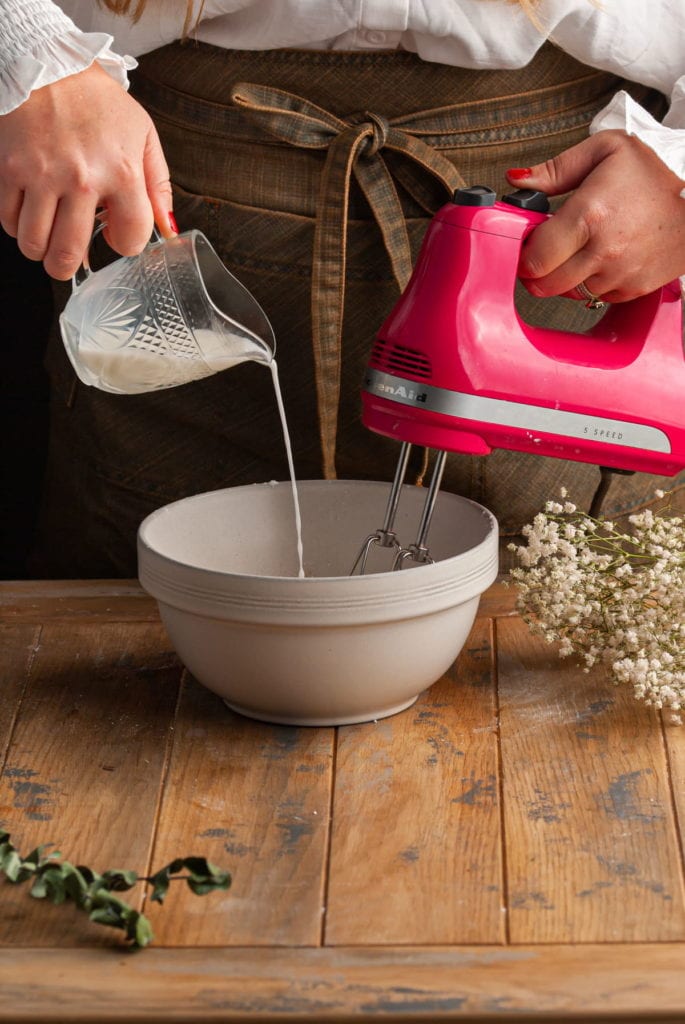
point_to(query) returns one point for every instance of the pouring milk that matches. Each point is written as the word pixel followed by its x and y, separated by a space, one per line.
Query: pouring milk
pixel 171 315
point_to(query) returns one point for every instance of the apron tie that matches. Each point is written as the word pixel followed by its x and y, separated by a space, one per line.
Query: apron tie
pixel 354 147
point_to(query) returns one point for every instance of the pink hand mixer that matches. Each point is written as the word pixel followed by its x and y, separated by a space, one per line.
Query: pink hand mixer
pixel 455 368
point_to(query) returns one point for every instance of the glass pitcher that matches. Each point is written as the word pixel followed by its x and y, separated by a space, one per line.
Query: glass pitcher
pixel 170 315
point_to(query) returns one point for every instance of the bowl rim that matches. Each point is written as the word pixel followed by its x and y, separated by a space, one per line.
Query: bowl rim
pixel 147 523
pixel 317 601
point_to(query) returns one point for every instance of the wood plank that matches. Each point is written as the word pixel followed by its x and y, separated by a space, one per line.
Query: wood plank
pixel 592 850
pixel 85 763
pixel 674 738
pixel 499 599
pixel 253 798
pixel 42 600
pixel 415 854
pixel 595 983
pixel 17 644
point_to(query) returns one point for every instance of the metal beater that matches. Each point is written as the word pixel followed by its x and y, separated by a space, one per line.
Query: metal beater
pixel 386 537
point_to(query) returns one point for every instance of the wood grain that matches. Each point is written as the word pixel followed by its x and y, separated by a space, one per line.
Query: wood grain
pixel 674 739
pixel 26 600
pixel 592 850
pixel 415 853
pixel 85 763
pixel 17 647
pixel 253 798
pixel 484 984
pixel 498 600
pixel 517 783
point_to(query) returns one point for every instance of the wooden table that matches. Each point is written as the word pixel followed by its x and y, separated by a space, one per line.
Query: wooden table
pixel 507 849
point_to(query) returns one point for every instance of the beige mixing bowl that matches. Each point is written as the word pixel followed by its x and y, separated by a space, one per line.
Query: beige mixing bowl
pixel 330 649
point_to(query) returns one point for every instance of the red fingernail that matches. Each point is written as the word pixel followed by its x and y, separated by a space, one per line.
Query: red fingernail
pixel 519 172
pixel 172 222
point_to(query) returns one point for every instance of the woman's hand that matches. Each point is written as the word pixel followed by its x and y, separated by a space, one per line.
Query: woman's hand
pixel 72 148
pixel 621 232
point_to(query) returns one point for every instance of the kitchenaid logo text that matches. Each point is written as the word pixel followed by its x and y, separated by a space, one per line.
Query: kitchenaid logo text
pixel 401 392
pixel 603 435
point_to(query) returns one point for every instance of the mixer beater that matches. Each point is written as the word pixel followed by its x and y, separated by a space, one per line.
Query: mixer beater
pixel 455 368
pixel 385 537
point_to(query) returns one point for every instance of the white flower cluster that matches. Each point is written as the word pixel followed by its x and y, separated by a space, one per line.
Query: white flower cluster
pixel 610 597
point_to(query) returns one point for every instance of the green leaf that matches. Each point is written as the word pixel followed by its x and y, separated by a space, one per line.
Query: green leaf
pixel 160 886
pixel 87 874
pixel 106 908
pixel 11 864
pixel 160 880
pixel 7 851
pixel 205 877
pixel 75 884
pixel 95 893
pixel 202 877
pixel 50 884
pixel 142 932
pixel 39 889
pixel 36 856
pixel 106 915
pixel 119 880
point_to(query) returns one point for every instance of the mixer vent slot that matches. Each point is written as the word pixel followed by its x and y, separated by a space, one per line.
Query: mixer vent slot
pixel 399 359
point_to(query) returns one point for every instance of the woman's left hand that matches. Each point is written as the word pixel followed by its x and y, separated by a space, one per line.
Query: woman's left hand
pixel 621 232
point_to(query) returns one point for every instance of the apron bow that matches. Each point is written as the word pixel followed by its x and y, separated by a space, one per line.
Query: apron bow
pixel 353 147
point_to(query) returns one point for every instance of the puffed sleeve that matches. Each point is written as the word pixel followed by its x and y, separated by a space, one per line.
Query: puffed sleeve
pixel 667 139
pixel 39 44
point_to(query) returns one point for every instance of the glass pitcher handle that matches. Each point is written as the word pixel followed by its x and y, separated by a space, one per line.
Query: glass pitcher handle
pixel 84 271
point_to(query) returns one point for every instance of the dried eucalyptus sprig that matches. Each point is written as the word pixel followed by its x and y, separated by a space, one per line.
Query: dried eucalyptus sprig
pixel 610 596
pixel 60 881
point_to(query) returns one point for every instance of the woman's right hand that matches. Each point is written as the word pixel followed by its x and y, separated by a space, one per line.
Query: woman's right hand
pixel 73 147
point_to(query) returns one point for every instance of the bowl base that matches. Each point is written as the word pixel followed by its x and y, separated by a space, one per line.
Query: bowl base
pixel 367 716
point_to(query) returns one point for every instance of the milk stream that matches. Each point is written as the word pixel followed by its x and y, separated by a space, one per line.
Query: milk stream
pixel 291 465
pixel 131 370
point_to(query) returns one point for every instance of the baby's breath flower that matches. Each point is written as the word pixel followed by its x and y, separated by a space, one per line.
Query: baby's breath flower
pixel 608 596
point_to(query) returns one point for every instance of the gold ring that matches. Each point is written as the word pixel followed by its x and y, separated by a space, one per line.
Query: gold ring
pixel 593 301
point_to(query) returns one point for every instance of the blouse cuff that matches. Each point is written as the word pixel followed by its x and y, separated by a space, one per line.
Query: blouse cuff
pixel 625 114
pixel 55 58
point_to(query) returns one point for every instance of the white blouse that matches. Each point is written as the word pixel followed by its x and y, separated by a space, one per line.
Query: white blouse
pixel 643 40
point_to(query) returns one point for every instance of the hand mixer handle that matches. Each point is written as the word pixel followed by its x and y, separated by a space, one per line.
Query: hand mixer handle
pixel 490 257
pixel 650 321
